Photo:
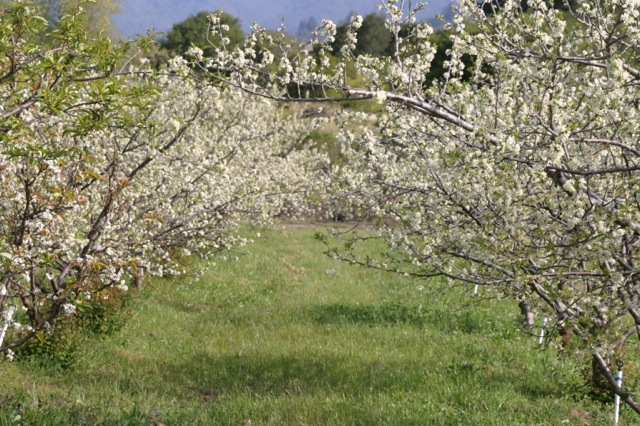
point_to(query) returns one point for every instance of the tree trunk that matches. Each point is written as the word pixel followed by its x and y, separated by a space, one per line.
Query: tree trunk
pixel 600 386
pixel 138 276
pixel 527 315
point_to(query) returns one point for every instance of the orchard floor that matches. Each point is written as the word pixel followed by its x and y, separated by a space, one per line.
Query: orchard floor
pixel 280 334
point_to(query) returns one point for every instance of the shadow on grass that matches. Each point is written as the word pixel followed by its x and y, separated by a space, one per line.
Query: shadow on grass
pixel 209 376
pixel 394 314
pixel 218 382
pixel 268 374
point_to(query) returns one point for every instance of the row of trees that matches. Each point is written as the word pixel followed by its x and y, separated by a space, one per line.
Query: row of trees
pixel 511 174
pixel 374 39
pixel 519 174
pixel 109 170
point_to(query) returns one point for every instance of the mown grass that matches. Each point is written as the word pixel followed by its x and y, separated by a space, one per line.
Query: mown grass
pixel 284 335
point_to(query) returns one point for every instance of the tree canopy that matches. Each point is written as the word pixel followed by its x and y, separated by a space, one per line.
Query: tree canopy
pixel 374 38
pixel 197 31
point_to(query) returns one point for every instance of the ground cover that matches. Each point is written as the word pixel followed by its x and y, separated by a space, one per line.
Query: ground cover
pixel 279 334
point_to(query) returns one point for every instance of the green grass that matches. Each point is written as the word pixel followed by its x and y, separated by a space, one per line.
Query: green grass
pixel 287 336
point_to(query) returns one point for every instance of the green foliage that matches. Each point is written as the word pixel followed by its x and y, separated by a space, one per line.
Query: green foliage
pixel 374 38
pixel 99 317
pixel 105 314
pixel 52 351
pixel 442 40
pixel 196 30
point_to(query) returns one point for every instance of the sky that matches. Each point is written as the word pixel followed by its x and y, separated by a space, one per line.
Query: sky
pixel 137 16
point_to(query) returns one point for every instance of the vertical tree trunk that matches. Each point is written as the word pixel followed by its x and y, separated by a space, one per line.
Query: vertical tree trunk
pixel 527 315
pixel 138 276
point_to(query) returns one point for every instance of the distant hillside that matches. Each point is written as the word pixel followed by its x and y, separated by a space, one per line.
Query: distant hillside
pixel 139 15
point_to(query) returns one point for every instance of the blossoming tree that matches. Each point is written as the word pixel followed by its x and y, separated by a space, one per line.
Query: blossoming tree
pixel 518 174
pixel 108 169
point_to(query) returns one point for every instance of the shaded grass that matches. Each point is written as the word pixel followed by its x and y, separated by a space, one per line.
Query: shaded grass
pixel 283 335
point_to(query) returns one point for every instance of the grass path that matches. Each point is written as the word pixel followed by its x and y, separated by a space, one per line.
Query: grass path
pixel 283 335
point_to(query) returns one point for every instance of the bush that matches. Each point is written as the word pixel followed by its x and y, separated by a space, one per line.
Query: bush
pixel 98 317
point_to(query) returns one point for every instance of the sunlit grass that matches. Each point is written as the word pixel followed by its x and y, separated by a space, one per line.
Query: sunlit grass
pixel 280 334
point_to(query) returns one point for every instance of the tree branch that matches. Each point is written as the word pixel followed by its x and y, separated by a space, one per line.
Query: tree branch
pixel 624 395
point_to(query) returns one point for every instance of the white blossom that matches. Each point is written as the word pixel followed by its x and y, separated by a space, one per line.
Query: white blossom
pixel 69 308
